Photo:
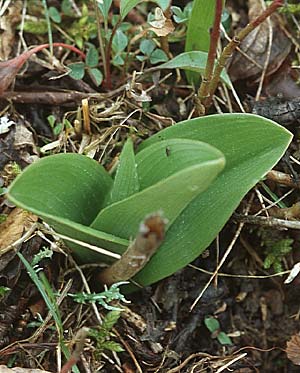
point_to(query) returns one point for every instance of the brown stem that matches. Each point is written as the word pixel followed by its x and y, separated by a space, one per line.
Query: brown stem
pixel 107 83
pixel 203 91
pixel 139 252
pixel 230 47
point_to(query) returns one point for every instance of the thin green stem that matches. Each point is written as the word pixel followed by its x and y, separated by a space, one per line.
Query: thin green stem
pixel 50 38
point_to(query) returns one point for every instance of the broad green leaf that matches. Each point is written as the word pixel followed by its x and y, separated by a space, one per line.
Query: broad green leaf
pixel 126 6
pixel 67 191
pixel 171 174
pixel 252 145
pixel 192 61
pixel 126 180
pixel 80 203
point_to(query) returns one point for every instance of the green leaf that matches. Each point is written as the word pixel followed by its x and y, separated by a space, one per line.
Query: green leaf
pixel 66 7
pixel 178 14
pixel 198 31
pixel 92 56
pixel 174 168
pixel 110 320
pixel 96 76
pixel 126 6
pixel 126 180
pixel 252 145
pixel 119 42
pixel 54 14
pixel 158 56
pixel 48 189
pixel 163 4
pixel 171 173
pixel 112 346
pixel 104 7
pixel 192 61
pixel 39 27
pixel 212 324
pixel 118 61
pixel 76 70
pixel 51 120
pixel 224 339
pixel 147 46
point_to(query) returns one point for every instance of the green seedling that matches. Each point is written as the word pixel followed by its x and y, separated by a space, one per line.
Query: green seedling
pixel 179 170
pixel 103 334
pixel 79 69
pixel 214 327
pixel 3 291
pixel 104 298
pixel 58 127
pixel 276 247
pixel 41 282
pixel 182 16
pixel 151 52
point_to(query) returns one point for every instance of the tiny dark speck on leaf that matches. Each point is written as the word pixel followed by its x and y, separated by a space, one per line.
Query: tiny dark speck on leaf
pixel 168 151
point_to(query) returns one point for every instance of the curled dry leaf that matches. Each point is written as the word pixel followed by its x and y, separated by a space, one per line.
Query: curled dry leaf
pixel 9 69
pixel 293 349
pixel 161 25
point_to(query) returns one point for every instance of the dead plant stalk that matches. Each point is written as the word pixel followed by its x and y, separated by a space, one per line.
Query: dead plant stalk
pixel 206 100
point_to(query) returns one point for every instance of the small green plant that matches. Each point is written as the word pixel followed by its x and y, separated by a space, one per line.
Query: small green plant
pixel 3 290
pixel 104 298
pixel 214 327
pixel 179 170
pixel 41 282
pixel 79 69
pixel 275 249
pixel 182 15
pixel 151 52
pixel 58 127
pixel 103 334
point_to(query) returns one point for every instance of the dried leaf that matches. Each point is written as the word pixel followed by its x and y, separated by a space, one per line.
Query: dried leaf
pixel 293 349
pixel 161 25
pixel 13 228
